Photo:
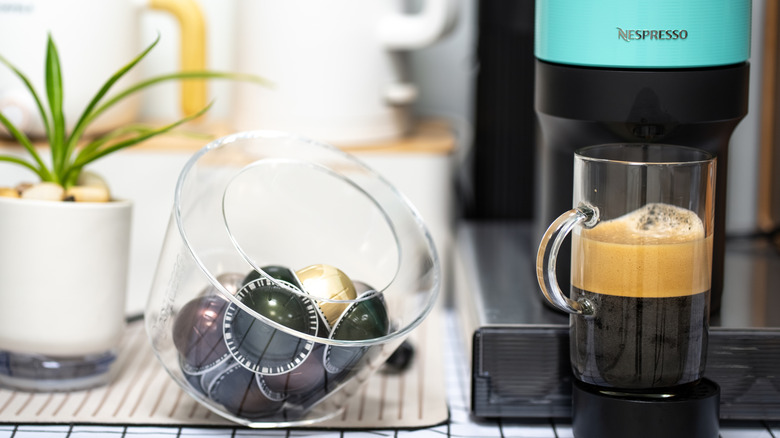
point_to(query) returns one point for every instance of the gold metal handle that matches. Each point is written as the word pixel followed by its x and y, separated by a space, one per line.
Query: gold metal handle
pixel 193 49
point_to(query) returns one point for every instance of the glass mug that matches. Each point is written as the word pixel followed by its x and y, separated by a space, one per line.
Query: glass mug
pixel 641 265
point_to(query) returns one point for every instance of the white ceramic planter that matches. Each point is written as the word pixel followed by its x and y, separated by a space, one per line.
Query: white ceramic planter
pixel 63 277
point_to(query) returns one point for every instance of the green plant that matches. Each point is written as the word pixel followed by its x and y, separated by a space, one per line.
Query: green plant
pixel 68 158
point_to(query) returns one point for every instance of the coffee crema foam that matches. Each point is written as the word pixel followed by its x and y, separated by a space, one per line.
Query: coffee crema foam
pixel 658 250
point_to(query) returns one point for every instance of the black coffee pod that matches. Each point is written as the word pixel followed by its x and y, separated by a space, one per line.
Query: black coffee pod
pixel 260 347
pixel 364 319
pixel 276 272
pixel 400 360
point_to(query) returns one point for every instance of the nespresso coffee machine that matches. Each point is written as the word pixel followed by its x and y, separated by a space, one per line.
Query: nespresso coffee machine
pixel 696 97
pixel 641 71
pixel 651 72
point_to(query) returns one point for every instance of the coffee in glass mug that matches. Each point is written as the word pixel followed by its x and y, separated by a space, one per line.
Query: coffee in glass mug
pixel 640 266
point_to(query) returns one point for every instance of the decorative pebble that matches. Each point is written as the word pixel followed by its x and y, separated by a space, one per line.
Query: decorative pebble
pixel 21 187
pixel 8 192
pixel 44 191
pixel 91 179
pixel 87 194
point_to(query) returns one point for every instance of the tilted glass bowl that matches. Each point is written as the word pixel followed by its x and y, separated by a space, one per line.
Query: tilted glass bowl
pixel 289 273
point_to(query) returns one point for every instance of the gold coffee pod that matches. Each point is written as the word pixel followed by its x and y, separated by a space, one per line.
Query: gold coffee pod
pixel 325 281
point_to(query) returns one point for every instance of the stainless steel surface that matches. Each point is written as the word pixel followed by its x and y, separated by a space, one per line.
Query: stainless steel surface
pixel 500 254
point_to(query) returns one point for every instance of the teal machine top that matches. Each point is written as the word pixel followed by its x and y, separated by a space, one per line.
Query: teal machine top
pixel 643 33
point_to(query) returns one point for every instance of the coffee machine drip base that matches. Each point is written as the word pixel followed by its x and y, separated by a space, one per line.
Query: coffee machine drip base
pixel 518 347
pixel 692 413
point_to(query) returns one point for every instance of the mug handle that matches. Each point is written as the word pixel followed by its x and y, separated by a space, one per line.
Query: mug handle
pixel 412 32
pixel 416 31
pixel 547 255
pixel 193 49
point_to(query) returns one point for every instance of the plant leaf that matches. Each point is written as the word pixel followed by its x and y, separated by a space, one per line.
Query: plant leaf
pixel 65 168
pixel 97 143
pixel 17 160
pixel 86 159
pixel 31 89
pixel 54 93
pixel 22 138
pixel 85 118
pixel 176 76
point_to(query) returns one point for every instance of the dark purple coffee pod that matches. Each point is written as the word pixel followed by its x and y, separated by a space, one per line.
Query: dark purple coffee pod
pixel 203 379
pixel 273 395
pixel 236 389
pixel 194 381
pixel 208 378
pixel 198 334
pixel 305 378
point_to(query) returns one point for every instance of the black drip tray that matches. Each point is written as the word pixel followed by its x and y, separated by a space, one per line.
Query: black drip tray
pixel 519 345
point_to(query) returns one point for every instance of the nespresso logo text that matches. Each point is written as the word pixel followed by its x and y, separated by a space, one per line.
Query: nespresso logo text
pixel 647 34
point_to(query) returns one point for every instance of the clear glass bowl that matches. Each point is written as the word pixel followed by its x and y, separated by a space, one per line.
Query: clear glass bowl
pixel 289 273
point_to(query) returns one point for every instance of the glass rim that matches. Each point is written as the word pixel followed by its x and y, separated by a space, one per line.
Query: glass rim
pixel 703 157
pixel 334 152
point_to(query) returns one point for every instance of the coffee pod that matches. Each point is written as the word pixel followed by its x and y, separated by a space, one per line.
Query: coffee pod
pixel 362 288
pixel 202 380
pixel 231 281
pixel 303 379
pixel 328 282
pixel 238 392
pixel 400 360
pixel 198 334
pixel 364 319
pixel 275 272
pixel 270 393
pixel 257 345
pixel 194 380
